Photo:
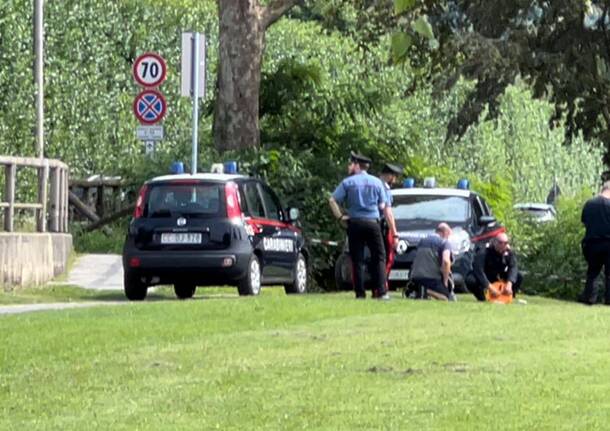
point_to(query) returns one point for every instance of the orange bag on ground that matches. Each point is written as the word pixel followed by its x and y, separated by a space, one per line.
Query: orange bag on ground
pixel 502 298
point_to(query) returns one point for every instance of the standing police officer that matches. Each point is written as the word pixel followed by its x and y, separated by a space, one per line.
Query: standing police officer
pixel 389 174
pixel 364 196
pixel 596 244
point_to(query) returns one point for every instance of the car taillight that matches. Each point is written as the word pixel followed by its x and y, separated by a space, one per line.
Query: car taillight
pixel 139 211
pixel 232 201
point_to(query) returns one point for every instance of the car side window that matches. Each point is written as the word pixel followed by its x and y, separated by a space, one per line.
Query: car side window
pixel 253 200
pixel 486 208
pixel 271 202
pixel 477 210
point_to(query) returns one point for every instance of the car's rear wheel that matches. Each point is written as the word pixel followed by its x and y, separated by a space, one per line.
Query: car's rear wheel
pixel 135 288
pixel 184 290
pixel 251 283
pixel 299 285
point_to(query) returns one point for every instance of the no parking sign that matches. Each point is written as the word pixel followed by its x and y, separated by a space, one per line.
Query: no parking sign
pixel 149 106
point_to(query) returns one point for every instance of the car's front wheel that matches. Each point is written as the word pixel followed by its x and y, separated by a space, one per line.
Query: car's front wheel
pixel 251 283
pixel 135 288
pixel 299 284
pixel 184 290
pixel 343 272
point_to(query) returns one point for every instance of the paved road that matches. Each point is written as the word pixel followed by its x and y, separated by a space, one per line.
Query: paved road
pixel 90 271
pixel 97 271
pixel 26 308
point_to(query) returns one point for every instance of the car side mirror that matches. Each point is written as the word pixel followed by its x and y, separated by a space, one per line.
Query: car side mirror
pixel 293 214
pixel 487 220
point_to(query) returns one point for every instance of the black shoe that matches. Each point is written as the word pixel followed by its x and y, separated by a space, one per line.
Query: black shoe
pixel 586 302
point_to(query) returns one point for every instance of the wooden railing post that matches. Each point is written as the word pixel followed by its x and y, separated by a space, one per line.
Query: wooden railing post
pixel 41 214
pixel 64 200
pixel 9 195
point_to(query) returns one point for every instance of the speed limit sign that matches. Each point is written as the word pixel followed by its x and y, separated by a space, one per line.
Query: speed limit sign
pixel 149 70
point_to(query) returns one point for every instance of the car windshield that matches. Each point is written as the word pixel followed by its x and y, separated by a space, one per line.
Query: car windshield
pixel 171 200
pixel 427 208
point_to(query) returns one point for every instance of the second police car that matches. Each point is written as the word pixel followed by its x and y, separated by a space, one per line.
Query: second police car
pixel 418 210
pixel 212 229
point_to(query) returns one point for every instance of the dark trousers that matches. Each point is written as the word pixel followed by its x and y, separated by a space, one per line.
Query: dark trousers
pixel 361 233
pixel 424 285
pixel 596 255
pixel 478 290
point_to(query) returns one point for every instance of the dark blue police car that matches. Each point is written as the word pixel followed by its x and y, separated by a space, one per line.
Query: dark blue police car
pixel 417 211
pixel 212 229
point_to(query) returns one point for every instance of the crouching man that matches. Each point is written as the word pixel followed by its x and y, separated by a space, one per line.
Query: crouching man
pixel 431 268
pixel 495 275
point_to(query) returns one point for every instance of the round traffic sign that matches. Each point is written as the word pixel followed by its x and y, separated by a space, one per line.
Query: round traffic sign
pixel 149 106
pixel 149 70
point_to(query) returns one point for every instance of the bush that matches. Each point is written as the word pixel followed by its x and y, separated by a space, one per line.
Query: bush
pixel 551 252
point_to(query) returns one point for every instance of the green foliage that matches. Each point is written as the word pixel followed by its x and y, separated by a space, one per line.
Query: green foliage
pixel 97 241
pixel 400 45
pixel 90 48
pixel 551 252
pixel 401 6
pixel 518 146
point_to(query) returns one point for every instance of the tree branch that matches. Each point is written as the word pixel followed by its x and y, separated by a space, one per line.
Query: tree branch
pixel 275 10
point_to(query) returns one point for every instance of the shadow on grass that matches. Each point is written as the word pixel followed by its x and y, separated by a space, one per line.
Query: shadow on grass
pixel 158 294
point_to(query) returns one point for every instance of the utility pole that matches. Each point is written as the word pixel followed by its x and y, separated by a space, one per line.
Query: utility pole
pixel 38 74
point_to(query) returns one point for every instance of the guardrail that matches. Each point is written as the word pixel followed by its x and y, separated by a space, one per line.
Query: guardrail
pixel 51 207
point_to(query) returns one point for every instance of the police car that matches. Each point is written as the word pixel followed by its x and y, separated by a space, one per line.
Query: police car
pixel 212 229
pixel 418 210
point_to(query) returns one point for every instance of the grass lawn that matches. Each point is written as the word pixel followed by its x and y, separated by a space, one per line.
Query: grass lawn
pixel 324 362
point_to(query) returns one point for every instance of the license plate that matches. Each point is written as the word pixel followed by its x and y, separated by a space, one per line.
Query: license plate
pixel 180 238
pixel 399 274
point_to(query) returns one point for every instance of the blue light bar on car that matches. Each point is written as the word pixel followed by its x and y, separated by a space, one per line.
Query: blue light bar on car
pixel 463 184
pixel 409 183
pixel 230 167
pixel 176 168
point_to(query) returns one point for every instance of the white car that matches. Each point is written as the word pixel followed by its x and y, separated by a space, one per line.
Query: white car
pixel 538 212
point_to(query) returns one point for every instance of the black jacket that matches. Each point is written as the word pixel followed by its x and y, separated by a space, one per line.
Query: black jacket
pixel 490 266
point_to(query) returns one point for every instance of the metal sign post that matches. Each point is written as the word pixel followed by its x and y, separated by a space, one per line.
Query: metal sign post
pixel 193 81
pixel 195 101
pixel 149 71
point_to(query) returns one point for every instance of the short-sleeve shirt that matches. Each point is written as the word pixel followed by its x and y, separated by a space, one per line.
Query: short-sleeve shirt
pixel 389 199
pixel 427 263
pixel 596 218
pixel 362 194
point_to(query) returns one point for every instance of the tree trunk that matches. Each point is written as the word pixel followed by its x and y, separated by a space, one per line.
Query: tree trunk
pixel 241 45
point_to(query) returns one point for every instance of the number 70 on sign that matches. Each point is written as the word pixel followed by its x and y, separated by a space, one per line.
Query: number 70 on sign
pixel 149 70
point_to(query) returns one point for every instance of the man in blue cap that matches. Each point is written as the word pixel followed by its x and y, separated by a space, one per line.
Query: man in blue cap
pixel 364 197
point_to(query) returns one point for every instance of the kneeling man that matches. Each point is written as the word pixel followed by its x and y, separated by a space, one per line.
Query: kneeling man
pixel 495 274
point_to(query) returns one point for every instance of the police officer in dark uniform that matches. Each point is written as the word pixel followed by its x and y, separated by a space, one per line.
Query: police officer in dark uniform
pixel 389 174
pixel 596 244
pixel 364 196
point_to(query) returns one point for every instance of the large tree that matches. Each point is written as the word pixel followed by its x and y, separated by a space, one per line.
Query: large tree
pixel 242 27
pixel 561 48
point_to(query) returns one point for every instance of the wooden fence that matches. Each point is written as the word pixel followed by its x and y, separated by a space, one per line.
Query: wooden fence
pixel 51 206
